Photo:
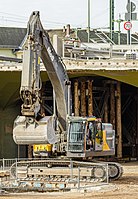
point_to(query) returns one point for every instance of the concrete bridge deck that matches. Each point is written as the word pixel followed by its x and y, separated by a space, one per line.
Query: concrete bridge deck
pixel 122 70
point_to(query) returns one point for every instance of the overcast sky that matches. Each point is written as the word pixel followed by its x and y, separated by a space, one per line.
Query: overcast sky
pixel 57 13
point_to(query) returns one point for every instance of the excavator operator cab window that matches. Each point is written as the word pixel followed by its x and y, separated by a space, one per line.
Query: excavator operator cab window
pixel 98 136
pixel 93 135
pixel 76 136
pixel 99 129
pixel 90 135
pixel 76 131
pixel 90 130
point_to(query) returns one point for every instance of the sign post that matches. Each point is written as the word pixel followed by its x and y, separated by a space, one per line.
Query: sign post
pixel 127 25
pixel 130 16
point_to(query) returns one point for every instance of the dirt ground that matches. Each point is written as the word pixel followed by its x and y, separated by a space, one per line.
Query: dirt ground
pixel 124 188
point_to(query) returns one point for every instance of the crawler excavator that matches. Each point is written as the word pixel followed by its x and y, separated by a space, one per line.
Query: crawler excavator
pixel 84 137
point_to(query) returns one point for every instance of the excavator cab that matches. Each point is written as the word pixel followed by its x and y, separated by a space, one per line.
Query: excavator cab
pixel 89 137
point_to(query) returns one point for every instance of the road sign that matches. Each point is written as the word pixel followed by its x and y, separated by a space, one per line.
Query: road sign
pixel 127 25
pixel 131 17
pixel 131 7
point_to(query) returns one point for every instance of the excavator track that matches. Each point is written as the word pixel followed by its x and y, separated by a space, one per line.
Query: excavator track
pixel 44 167
pixel 64 169
pixel 115 170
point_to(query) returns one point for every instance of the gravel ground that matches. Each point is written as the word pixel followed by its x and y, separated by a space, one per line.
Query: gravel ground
pixel 124 188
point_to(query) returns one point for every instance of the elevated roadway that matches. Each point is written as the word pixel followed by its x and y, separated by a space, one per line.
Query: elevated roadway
pixel 122 70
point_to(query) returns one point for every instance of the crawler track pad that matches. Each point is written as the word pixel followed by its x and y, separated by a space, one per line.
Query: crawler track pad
pixel 29 131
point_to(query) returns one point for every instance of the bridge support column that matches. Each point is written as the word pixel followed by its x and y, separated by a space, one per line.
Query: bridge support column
pixel 83 100
pixel 90 98
pixel 118 120
pixel 112 104
pixel 105 117
pixel 76 99
pixel 106 112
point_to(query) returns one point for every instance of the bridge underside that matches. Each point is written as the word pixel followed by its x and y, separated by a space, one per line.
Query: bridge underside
pixel 101 87
pixel 128 77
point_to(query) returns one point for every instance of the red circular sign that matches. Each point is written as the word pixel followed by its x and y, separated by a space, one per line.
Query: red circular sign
pixel 127 25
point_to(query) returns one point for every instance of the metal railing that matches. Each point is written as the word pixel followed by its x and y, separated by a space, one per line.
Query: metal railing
pixel 98 51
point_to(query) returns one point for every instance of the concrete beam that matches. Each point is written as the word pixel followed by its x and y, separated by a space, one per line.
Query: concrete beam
pixel 73 65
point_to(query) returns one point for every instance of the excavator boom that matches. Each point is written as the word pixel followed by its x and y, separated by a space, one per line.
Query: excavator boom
pixel 27 128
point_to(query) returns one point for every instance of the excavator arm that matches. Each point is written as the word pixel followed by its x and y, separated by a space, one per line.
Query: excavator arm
pixel 27 128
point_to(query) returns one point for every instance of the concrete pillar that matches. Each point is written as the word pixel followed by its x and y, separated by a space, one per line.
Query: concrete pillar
pixel 90 98
pixel 112 105
pixel 118 120
pixel 83 98
pixel 76 99
pixel 68 30
pixel 57 44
